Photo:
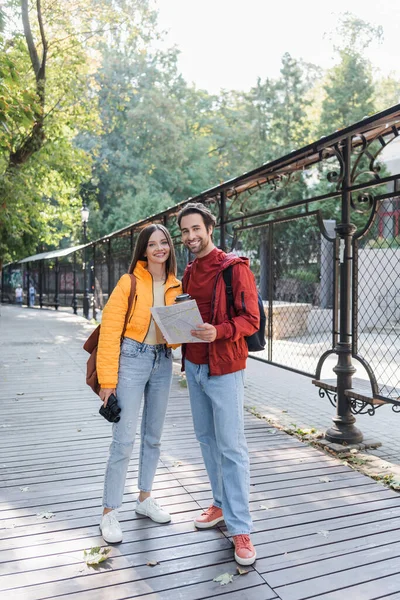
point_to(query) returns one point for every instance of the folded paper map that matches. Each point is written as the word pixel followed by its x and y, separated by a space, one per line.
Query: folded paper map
pixel 177 321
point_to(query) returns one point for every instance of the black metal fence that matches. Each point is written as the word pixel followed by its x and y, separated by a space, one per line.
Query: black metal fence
pixel 321 229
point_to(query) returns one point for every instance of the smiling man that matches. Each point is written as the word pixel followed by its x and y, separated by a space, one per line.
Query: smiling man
pixel 215 374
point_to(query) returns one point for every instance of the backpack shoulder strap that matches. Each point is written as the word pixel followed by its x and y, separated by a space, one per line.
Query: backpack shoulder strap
pixel 227 275
pixel 130 302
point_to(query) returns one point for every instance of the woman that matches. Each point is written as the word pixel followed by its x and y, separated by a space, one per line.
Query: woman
pixel 142 364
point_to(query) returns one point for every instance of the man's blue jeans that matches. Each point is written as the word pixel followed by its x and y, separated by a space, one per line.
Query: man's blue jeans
pixel 143 369
pixel 217 409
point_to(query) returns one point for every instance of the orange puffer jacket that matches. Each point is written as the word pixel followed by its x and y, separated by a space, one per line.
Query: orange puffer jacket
pixel 113 319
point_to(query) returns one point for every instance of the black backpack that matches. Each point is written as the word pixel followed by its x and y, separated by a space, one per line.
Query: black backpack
pixel 256 341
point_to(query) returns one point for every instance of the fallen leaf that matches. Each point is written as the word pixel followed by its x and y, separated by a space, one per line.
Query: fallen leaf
pixel 79 429
pixel 45 515
pixel 223 579
pixel 242 571
pixel 284 411
pixel 325 479
pixel 264 507
pixel 24 489
pixel 96 555
pixel 152 563
pixel 20 393
pixel 177 463
pixel 323 532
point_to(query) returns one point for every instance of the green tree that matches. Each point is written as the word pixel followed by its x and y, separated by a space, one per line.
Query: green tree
pixel 349 86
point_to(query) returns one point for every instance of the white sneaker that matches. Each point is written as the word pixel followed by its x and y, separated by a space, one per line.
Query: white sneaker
pixel 150 508
pixel 110 528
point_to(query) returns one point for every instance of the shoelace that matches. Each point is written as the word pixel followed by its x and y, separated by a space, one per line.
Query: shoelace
pixel 210 511
pixel 154 503
pixel 243 541
pixel 112 518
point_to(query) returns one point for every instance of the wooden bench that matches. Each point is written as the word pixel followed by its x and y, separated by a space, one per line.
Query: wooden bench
pixel 360 395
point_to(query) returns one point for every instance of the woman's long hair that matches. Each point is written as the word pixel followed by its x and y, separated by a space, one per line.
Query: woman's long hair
pixel 141 247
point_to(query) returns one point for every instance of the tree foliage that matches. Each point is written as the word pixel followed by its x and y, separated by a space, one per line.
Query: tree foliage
pixel 91 110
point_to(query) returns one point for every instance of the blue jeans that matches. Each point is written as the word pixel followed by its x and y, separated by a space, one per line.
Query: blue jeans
pixel 217 410
pixel 143 369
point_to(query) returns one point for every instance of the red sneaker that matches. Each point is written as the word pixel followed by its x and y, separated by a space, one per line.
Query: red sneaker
pixel 245 553
pixel 209 518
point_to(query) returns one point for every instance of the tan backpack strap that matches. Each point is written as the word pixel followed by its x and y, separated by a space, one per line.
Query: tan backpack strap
pixel 130 303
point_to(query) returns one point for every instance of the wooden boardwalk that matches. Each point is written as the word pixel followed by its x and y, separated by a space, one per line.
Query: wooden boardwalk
pixel 322 530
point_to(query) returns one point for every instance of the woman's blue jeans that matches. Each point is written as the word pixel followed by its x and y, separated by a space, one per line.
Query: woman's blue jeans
pixel 217 409
pixel 143 370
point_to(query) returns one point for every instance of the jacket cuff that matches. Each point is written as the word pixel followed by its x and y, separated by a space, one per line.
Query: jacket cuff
pixel 222 333
pixel 108 385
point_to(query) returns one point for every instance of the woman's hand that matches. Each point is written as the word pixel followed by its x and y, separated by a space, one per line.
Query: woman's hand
pixel 105 393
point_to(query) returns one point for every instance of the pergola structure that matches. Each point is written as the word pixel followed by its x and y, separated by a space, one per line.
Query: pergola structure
pixel 265 201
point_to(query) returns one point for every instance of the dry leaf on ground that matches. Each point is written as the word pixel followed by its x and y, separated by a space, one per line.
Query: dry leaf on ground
pixel 242 571
pixel 325 479
pixel 152 563
pixel 45 515
pixel 223 579
pixel 96 555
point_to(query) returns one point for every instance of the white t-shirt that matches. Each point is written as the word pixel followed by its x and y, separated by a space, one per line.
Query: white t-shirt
pixel 154 335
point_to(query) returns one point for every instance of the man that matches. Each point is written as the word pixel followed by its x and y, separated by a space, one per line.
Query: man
pixel 32 294
pixel 19 294
pixel 215 374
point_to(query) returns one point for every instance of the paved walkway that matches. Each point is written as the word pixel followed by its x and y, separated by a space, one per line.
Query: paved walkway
pixel 322 530
pixel 290 398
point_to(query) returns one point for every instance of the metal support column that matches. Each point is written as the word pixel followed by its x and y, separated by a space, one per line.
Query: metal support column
pixel 2 284
pixel 28 276
pixel 110 287
pixel 74 299
pixel 343 429
pixel 222 222
pixel 57 276
pixel 94 282
pixel 41 265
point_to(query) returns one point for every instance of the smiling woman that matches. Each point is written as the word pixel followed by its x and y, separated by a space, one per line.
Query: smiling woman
pixel 141 365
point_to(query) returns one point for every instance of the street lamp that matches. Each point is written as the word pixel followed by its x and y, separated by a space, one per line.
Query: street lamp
pixel 85 219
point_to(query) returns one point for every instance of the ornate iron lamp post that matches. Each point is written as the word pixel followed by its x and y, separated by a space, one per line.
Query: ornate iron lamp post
pixel 85 219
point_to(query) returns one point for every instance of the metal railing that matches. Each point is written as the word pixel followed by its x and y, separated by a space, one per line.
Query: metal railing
pixel 320 227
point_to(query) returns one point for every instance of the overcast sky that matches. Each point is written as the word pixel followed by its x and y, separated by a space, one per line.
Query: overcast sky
pixel 229 43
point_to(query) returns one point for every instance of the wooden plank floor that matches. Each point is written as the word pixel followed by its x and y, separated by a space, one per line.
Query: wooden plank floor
pixel 322 530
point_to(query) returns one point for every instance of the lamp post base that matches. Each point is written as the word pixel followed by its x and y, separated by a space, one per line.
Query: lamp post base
pixel 343 432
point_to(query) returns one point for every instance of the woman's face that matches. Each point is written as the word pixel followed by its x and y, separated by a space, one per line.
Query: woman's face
pixel 158 250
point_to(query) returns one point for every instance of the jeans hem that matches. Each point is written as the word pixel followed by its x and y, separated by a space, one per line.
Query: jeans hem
pixel 239 533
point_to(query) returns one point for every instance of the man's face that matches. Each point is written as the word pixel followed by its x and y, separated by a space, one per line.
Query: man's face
pixel 195 235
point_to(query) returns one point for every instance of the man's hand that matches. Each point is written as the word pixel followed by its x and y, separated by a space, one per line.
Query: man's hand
pixel 105 393
pixel 205 332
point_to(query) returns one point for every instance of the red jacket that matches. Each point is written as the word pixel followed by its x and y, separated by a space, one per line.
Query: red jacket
pixel 228 353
